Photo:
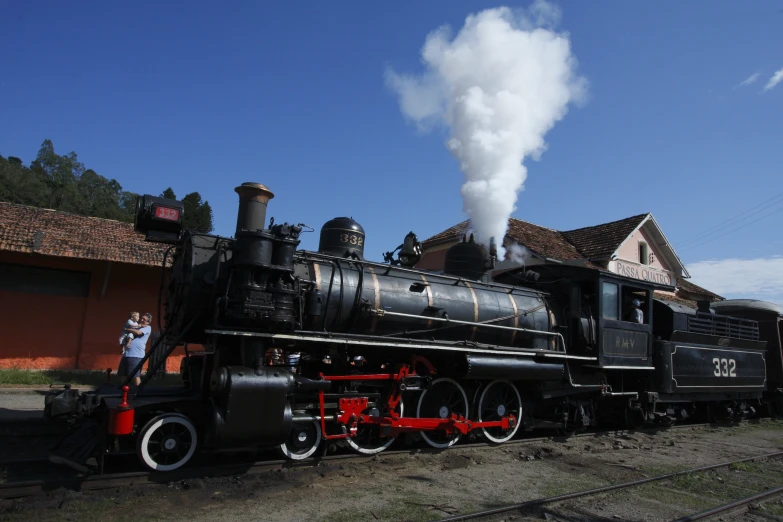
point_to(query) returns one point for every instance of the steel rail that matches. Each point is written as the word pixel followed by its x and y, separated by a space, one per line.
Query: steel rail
pixel 96 482
pixel 523 440
pixel 523 506
pixel 731 505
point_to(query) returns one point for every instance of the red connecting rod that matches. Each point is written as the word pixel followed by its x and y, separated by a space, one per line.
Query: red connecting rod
pixel 350 411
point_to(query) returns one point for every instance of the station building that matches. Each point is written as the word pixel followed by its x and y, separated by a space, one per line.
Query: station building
pixel 634 247
pixel 67 285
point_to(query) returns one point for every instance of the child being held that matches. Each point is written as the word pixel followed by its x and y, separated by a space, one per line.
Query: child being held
pixel 127 337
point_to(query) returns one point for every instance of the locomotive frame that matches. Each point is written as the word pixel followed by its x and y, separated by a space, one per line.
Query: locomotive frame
pixel 305 347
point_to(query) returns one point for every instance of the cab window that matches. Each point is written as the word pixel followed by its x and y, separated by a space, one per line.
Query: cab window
pixel 634 304
pixel 609 301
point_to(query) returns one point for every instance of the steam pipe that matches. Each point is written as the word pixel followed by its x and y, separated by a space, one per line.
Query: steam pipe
pixel 253 198
pixel 312 418
pixel 381 313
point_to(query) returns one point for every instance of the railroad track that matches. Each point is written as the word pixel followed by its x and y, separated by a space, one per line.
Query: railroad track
pixel 87 482
pixel 522 507
pixel 731 506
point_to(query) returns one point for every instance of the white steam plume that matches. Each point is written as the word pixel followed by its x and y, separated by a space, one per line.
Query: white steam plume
pixel 499 85
pixel 517 253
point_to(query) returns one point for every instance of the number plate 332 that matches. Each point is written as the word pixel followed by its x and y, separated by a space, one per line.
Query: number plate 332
pixel 724 367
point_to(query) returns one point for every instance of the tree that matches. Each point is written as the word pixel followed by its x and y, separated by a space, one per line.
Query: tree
pixel 128 205
pixel 100 197
pixel 205 217
pixel 61 174
pixel 18 184
pixel 197 215
pixel 62 182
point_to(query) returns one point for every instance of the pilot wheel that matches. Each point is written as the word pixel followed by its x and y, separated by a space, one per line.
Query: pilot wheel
pixel 167 442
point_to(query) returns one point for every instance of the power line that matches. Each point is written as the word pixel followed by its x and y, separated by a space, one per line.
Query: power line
pixel 733 222
pixel 732 230
pixel 742 216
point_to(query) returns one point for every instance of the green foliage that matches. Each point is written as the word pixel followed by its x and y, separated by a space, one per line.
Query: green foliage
pixel 10 377
pixel 19 184
pixel 197 214
pixel 62 182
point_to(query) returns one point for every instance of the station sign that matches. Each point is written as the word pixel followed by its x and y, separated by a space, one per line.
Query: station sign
pixel 644 273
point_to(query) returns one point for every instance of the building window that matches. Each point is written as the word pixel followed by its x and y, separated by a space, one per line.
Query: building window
pixel 609 301
pixel 643 251
pixel 38 280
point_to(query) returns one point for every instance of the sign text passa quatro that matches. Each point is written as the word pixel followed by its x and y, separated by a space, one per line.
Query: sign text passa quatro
pixel 643 273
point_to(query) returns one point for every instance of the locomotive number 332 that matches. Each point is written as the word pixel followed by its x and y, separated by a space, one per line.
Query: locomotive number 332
pixel 724 367
pixel 352 239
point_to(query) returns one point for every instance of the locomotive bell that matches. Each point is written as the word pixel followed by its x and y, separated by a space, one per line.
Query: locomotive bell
pixel 253 198
pixel 342 237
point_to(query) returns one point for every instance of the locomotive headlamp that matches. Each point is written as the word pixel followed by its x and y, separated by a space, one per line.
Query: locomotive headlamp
pixel 159 218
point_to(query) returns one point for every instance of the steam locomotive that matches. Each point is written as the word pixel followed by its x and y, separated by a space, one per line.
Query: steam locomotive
pixel 306 349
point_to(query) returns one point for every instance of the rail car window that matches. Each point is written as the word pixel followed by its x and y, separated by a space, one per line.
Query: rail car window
pixel 609 301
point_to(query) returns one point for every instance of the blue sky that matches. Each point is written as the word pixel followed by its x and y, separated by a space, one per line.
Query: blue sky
pixel 203 97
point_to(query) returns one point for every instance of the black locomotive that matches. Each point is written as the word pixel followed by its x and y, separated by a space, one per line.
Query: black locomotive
pixel 303 347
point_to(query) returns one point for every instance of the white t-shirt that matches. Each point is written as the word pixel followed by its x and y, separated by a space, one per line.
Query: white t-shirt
pixel 130 323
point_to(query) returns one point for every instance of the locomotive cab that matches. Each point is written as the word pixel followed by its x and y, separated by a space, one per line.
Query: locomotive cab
pixel 608 317
pixel 625 323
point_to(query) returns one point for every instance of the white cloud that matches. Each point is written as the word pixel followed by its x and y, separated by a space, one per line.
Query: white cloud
pixel 499 85
pixel 776 79
pixel 760 278
pixel 750 79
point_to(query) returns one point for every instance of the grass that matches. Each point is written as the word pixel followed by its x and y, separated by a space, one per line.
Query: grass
pixel 75 507
pixel 10 377
pixel 774 508
pixel 654 471
pixel 751 467
pixel 670 496
pixel 410 508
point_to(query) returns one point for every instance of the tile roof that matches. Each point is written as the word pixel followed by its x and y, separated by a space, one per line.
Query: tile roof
pixel 600 241
pixel 449 234
pixel 62 234
pixel 664 296
pixel 597 242
pixel 588 243
pixel 543 241
pixel 696 289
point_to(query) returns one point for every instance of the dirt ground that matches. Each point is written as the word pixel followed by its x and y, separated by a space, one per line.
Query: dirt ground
pixel 420 486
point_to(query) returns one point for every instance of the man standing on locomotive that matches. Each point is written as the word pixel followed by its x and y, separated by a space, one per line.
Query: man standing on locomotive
pixel 635 314
pixel 136 350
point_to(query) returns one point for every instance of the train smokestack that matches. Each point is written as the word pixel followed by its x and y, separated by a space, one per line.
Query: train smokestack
pixel 253 198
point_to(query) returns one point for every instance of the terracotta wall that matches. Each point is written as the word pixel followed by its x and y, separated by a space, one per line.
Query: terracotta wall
pixel 433 260
pixel 44 331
